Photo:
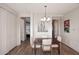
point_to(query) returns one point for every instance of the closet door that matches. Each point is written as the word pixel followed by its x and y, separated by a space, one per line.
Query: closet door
pixel 2 31
pixel 11 31
pixel 8 31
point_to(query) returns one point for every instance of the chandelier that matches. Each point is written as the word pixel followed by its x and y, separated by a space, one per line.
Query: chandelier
pixel 45 18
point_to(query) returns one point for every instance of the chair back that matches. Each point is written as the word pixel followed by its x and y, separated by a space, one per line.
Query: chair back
pixel 46 44
pixel 59 38
pixel 46 41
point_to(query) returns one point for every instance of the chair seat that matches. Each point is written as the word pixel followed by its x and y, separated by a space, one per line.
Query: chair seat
pixel 46 48
pixel 38 46
pixel 54 45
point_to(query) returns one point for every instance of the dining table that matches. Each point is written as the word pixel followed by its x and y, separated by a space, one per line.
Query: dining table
pixel 38 41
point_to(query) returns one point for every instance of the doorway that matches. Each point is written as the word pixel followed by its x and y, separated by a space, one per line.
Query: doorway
pixel 25 29
pixel 55 29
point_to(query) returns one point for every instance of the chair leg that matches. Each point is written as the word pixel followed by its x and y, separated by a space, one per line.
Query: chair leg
pixel 51 51
pixel 59 49
pixel 34 51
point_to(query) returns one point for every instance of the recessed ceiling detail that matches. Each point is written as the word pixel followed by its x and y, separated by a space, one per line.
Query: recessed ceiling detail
pixel 53 8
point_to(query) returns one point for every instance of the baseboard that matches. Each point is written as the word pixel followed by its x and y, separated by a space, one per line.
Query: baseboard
pixel 11 50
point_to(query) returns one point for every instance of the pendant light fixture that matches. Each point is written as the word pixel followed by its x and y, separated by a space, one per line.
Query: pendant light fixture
pixel 45 18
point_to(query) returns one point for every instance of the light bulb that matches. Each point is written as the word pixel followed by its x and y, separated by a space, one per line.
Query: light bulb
pixel 48 19
pixel 44 19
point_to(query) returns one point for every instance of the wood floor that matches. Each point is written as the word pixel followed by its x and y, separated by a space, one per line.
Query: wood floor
pixel 25 49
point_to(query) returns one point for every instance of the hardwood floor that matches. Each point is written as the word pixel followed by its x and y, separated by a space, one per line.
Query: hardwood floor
pixel 67 50
pixel 25 49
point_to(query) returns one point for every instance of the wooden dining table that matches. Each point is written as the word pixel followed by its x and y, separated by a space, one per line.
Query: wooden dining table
pixel 38 41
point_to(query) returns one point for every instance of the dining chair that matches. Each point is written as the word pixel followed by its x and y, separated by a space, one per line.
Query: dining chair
pixel 36 45
pixel 57 44
pixel 46 45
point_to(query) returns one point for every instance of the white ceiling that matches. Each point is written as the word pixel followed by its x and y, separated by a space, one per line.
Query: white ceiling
pixel 55 8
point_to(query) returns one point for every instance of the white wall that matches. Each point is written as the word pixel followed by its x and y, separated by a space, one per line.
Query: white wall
pixel 72 38
pixel 22 29
pixel 18 31
pixel 8 31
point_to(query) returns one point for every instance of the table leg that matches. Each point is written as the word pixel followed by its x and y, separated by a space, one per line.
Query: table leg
pixel 35 49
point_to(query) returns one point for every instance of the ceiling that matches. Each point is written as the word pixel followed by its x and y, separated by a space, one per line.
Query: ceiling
pixel 53 8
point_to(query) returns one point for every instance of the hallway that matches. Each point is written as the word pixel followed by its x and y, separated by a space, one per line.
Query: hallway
pixel 25 49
